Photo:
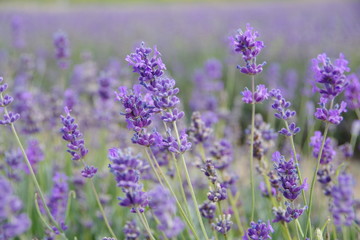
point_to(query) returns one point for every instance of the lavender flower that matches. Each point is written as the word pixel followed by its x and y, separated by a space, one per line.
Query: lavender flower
pixel 62 49
pixel 259 95
pixel 71 134
pixel 12 222
pixel 137 111
pixel 209 170
pixel 148 67
pixel 342 206
pixel 331 115
pixel 131 230
pixel 330 76
pixel 259 231
pixel 164 208
pixel 217 194
pixel 288 215
pixel 287 172
pixel 127 169
pixel 222 154
pixel 89 172
pixel 222 224
pixel 208 210
pixel 9 117
pixel 198 131
pixel 352 92
pixel 249 47
pixel 328 152
pixel 346 150
pixel 17 27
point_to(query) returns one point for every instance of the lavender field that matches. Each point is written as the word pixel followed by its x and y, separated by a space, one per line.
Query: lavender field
pixel 204 121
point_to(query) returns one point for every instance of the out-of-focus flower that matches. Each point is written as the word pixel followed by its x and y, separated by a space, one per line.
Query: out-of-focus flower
pixel 62 48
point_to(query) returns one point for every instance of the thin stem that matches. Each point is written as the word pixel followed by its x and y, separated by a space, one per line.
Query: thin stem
pixel 299 227
pixel 252 150
pixel 357 227
pixel 101 208
pixel 193 196
pixel 144 224
pixel 153 168
pixel 236 213
pixel 308 226
pixel 39 213
pixel 71 195
pixel 288 235
pixel 147 224
pixel 178 173
pixel 357 111
pixel 33 176
pixel 188 222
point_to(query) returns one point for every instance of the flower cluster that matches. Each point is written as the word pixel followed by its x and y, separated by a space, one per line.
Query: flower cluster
pixel 198 131
pixel 260 94
pixel 246 44
pixel 331 76
pixel 9 117
pixel 127 169
pixel 283 112
pixel 222 154
pixel 148 67
pixel 287 172
pixel 208 210
pixel 342 207
pixel 131 230
pixel 352 92
pixel 62 49
pixel 222 224
pixel 264 137
pixel 12 222
pixel 282 215
pixel 259 231
pixel 164 209
pixel 71 134
pixel 34 153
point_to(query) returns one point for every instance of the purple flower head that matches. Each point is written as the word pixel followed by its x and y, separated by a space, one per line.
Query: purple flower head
pixel 172 116
pixel 12 222
pixel 332 115
pixel 147 66
pixel 89 172
pixel 217 194
pixel 137 111
pixel 281 105
pixel 135 199
pixel 71 134
pixel 328 152
pixel 259 231
pixel 330 76
pixel 222 153
pixel 164 207
pixel 131 230
pixel 105 86
pixel 62 49
pixel 282 215
pixel 342 207
pixel 213 69
pixel 246 44
pixel 222 224
pixel 147 139
pixel 173 145
pixel 208 210
pixel 209 170
pixel 126 167
pixel 70 99
pixel 352 92
pixel 259 95
pixel 9 117
pixel 198 132
pixel 265 191
pixel 346 150
pixel 286 170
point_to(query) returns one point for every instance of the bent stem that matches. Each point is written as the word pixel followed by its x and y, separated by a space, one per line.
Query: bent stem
pixel 252 150
pixel 144 222
pixel 193 196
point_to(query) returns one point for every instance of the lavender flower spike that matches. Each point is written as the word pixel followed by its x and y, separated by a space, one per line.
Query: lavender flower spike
pixel 62 49
pixel 9 117
pixel 259 231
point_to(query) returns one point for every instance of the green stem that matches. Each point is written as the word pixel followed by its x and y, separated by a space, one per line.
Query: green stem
pixel 288 235
pixel 39 213
pixel 236 213
pixel 193 196
pixel 178 173
pixel 357 111
pixel 101 208
pixel 153 168
pixel 188 222
pixel 33 176
pixel 148 230
pixel 252 150
pixel 72 195
pixel 308 226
